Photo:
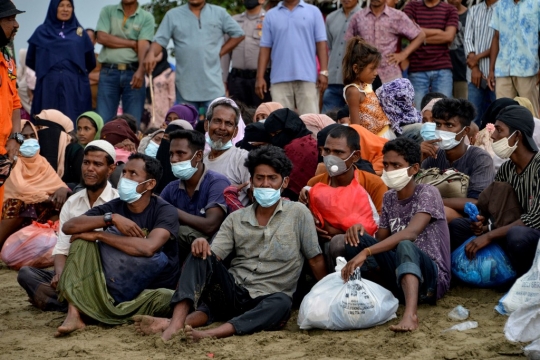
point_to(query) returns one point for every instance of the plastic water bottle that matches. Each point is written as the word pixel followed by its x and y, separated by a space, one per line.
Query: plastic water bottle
pixel 467 325
pixel 459 313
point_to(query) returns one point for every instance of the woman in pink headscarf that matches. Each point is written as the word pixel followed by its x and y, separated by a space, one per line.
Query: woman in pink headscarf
pixel 266 109
pixel 316 122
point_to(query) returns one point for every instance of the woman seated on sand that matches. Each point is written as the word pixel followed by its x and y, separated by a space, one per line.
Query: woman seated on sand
pixel 34 191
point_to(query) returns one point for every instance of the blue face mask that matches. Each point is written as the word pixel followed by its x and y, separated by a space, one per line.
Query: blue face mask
pixel 428 131
pixel 29 148
pixel 213 145
pixel 267 197
pixel 127 190
pixel 183 169
pixel 151 149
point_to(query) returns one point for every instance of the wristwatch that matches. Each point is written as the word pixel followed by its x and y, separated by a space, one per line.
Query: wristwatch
pixel 18 137
pixel 108 219
pixel 324 72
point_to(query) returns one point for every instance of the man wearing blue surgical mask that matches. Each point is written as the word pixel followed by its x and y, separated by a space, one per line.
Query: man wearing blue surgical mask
pixel 270 240
pixel 453 119
pixel 221 125
pixel 140 239
pixel 198 192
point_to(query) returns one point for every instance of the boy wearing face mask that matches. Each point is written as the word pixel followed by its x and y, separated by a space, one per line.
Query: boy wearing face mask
pixel 271 239
pixel 451 149
pixel 198 192
pixel 411 251
pixel 512 139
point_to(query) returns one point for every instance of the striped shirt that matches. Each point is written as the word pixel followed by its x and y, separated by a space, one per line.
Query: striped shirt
pixel 478 35
pixel 432 56
pixel 526 187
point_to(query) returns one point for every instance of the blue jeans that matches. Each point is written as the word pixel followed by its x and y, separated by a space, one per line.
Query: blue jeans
pixel 431 81
pixel 333 98
pixel 481 99
pixel 201 106
pixel 115 85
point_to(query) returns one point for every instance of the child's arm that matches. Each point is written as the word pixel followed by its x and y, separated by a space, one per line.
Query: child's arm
pixel 354 98
pixel 416 226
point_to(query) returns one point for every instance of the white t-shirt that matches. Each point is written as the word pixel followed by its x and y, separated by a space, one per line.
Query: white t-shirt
pixel 231 165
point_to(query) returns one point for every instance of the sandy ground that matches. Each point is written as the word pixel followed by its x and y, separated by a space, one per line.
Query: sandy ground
pixel 27 333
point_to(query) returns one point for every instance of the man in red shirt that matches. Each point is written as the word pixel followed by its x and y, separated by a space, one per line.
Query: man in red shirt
pixel 430 66
pixel 10 104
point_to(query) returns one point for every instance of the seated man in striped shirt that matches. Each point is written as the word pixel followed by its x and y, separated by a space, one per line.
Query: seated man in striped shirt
pixel 512 139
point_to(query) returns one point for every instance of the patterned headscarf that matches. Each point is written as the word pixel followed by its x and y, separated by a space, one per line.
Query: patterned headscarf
pixel 397 101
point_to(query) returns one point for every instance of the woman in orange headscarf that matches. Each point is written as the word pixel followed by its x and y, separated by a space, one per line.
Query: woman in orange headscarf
pixel 34 191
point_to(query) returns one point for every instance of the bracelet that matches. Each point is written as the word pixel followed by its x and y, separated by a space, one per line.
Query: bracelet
pixel 368 249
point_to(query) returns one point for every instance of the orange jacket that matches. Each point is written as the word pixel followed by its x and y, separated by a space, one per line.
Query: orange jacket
pixel 9 98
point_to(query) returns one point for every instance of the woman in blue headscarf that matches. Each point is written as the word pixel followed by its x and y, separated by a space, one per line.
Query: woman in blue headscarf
pixel 62 55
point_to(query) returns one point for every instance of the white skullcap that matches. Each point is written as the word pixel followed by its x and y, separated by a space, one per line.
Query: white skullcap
pixel 105 146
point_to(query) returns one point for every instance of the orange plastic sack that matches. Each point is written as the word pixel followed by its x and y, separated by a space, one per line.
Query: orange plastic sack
pixel 344 206
pixel 31 246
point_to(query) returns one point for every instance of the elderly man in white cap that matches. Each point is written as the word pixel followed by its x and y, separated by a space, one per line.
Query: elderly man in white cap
pixel 98 164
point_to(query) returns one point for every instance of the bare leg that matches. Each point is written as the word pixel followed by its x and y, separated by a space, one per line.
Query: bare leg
pixel 409 322
pixel 8 227
pixel 147 325
pixel 221 331
pixel 73 322
pixel 178 320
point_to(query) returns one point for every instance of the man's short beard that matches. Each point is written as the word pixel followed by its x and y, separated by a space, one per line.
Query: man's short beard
pixel 219 144
pixel 95 187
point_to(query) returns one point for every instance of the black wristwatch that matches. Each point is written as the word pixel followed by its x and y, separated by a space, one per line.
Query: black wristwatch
pixel 108 219
pixel 17 137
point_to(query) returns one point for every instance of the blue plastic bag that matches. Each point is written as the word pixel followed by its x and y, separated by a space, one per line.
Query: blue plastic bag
pixel 491 267
pixel 472 211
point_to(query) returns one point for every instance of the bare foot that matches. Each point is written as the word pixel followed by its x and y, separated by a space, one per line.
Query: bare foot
pixel 194 336
pixel 408 323
pixel 148 325
pixel 71 324
pixel 171 331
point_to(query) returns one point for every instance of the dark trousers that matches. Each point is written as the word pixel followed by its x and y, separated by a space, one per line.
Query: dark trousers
pixel 208 281
pixel 37 284
pixel 391 266
pixel 242 88
pixel 520 243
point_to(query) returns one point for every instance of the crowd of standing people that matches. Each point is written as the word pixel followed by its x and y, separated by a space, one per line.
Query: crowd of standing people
pixel 207 209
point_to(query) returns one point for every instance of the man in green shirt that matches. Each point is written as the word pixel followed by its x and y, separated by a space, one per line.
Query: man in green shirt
pixel 125 31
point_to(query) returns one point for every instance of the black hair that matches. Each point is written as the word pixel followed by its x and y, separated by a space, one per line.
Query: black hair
pixel 109 158
pixel 130 119
pixel 358 52
pixel 430 96
pixel 150 130
pixel 151 166
pixel 340 132
pixel 333 114
pixel 343 112
pixel 223 102
pixel 446 109
pixel 195 139
pixel 269 155
pixel 405 147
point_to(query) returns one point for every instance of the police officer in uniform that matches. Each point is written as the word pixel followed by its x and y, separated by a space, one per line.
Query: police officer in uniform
pixel 240 82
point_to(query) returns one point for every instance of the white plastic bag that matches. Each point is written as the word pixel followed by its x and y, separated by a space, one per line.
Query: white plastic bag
pixel 532 351
pixel 523 325
pixel 356 304
pixel 525 289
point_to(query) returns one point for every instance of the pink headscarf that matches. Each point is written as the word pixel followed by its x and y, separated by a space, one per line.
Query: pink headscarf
pixel 316 122
pixel 267 108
